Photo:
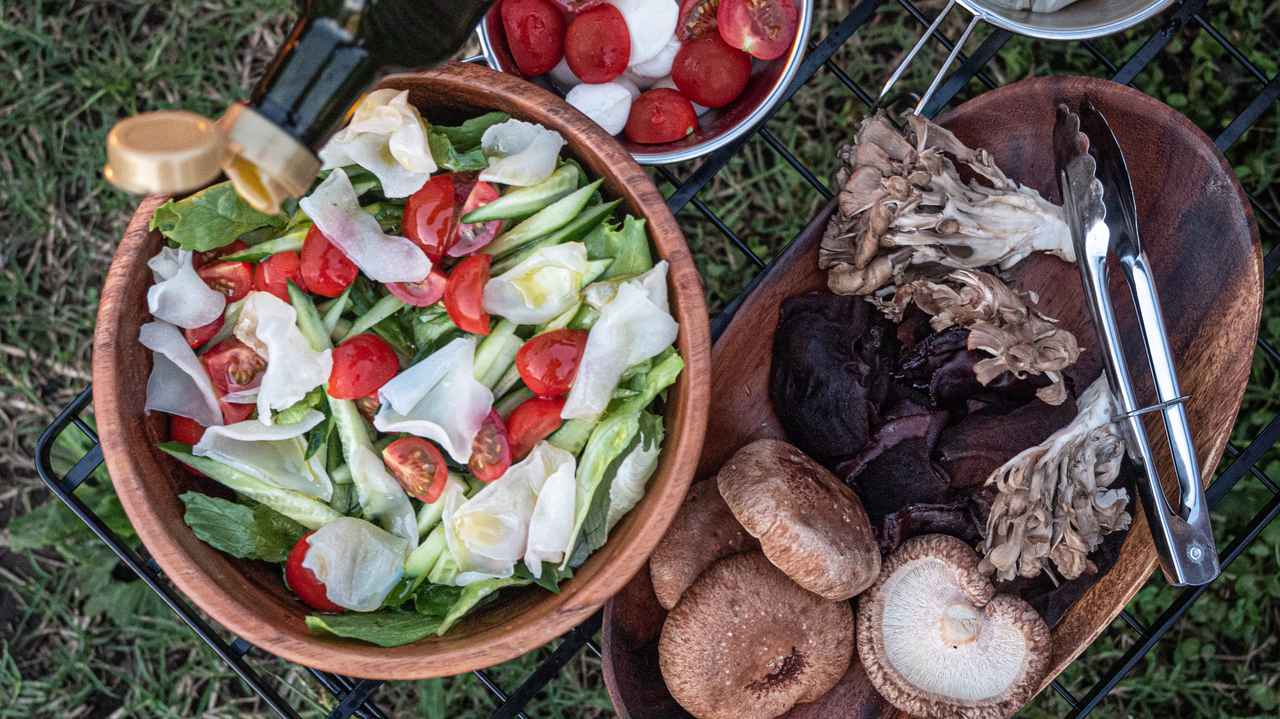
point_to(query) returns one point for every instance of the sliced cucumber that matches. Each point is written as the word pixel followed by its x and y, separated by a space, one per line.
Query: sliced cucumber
pixel 524 201
pixel 291 242
pixel 381 310
pixel 513 399
pixel 579 227
pixel 547 220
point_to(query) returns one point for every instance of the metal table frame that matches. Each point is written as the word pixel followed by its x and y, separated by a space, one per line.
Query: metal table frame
pixel 355 697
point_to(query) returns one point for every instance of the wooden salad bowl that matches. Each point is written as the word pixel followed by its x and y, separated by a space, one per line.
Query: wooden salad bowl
pixel 249 598
pixel 1198 232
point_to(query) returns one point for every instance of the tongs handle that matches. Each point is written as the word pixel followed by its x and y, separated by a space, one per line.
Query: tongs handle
pixel 1183 537
pixel 1193 559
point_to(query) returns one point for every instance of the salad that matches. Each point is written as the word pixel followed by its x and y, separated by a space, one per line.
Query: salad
pixel 439 375
pixel 647 68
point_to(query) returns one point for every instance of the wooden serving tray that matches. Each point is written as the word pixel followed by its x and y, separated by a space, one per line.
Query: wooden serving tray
pixel 1200 236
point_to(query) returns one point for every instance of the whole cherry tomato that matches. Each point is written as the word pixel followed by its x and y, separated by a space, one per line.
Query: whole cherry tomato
pixel 548 362
pixel 711 73
pixel 276 272
pixel 597 45
pixel 530 423
pixel 184 430
pixel 326 270
pixel 304 582
pixel 535 34
pixel 361 365
pixel 429 217
pixel 660 116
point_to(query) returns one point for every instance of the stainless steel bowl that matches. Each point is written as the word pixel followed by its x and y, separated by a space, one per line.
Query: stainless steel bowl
pixel 717 128
pixel 1082 20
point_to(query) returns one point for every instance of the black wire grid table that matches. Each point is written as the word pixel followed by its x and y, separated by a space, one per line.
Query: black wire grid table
pixel 355 697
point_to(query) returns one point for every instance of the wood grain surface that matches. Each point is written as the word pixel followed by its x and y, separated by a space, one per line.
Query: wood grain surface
pixel 249 598
pixel 1199 234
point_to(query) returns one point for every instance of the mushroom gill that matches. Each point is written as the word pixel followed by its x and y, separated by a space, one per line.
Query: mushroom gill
pixel 1002 322
pixel 1054 501
pixel 902 201
pixel 938 642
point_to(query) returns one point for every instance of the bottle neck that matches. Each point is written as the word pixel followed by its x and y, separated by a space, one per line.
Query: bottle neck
pixel 319 72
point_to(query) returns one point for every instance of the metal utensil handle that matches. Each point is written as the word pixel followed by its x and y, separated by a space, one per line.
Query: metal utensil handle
pixel 1192 531
pixel 915 49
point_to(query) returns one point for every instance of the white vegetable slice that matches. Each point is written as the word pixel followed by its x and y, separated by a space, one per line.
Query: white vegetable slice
pixel 438 398
pixel 659 65
pixel 667 82
pixel 540 288
pixel 388 137
pixel 563 77
pixel 490 532
pixel 268 324
pixel 551 526
pixel 520 153
pixel 607 104
pixel 274 454
pixel 651 23
pixel 627 488
pixel 178 383
pixel 335 209
pixel 358 564
pixel 631 329
pixel 654 282
pixel 179 296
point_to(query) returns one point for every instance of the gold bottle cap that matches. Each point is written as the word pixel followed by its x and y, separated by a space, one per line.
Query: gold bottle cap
pixel 264 162
pixel 163 152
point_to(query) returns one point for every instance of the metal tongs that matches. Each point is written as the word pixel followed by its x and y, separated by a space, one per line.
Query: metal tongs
pixel 1100 210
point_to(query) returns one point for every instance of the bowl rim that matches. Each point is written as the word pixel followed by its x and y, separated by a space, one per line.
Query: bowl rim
pixel 779 92
pixel 225 588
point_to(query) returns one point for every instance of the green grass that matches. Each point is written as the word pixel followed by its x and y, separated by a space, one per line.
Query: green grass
pixel 79 640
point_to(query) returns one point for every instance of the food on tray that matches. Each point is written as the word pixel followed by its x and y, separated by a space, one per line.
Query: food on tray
pixel 647 68
pixel 751 634
pixel 903 202
pixel 438 377
pixel 746 642
pixel 809 524
pixel 1055 501
pixel 703 531
pixel 939 643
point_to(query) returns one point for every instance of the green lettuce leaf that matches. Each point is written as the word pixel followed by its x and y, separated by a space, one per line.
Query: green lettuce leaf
pixel 239 530
pixel 449 158
pixel 468 134
pixel 385 627
pixel 211 218
pixel 627 246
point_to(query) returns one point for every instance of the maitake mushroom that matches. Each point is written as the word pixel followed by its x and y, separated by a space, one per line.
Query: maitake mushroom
pixel 809 524
pixel 1002 322
pixel 746 642
pixel 937 642
pixel 703 531
pixel 1054 501
pixel 903 202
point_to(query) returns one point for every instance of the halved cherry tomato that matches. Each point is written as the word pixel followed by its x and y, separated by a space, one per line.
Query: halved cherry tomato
pixel 233 412
pixel 429 218
pixel 530 423
pixel 184 430
pixel 711 73
pixel 197 336
pixel 203 258
pixel 490 450
pixel 326 270
pixel 368 406
pixel 418 466
pixel 421 294
pixel 304 582
pixel 473 236
pixel 276 272
pixel 361 365
pixel 232 279
pixel 233 366
pixel 535 34
pixel 464 294
pixel 548 362
pixel 661 115
pixel 598 45
pixel 763 28
pixel 697 18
